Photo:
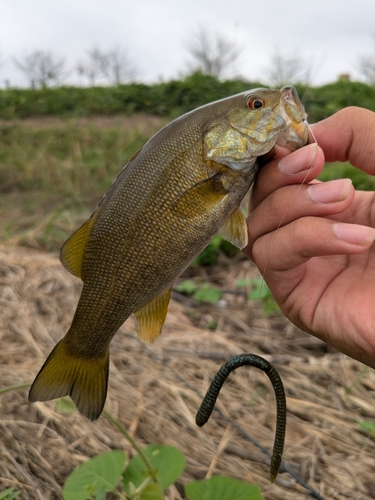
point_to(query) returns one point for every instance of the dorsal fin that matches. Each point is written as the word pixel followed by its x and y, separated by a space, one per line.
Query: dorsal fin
pixel 234 229
pixel 71 254
pixel 150 319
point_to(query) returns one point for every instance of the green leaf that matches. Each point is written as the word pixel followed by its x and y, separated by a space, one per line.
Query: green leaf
pixel 242 282
pixel 101 495
pixel 9 494
pixel 367 426
pixel 207 293
pixel 152 492
pixel 270 306
pixel 187 286
pixel 260 290
pixel 210 254
pixel 222 488
pixel 167 461
pixel 65 405
pixel 100 473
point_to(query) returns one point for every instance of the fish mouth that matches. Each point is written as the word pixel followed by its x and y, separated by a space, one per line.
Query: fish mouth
pixel 290 108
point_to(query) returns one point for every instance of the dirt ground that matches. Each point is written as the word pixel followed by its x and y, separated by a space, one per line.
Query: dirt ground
pixel 154 391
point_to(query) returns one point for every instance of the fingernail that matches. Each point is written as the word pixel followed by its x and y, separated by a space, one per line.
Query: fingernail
pixel 329 192
pixel 299 161
pixel 355 234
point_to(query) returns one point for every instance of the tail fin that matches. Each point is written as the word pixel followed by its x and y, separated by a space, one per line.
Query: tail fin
pixel 83 379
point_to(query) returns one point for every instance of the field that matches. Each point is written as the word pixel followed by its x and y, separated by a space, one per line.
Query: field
pixel 53 172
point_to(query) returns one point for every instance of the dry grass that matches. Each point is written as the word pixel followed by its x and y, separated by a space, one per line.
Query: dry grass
pixel 153 392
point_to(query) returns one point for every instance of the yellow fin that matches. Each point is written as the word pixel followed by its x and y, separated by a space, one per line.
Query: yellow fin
pixel 71 254
pixel 234 229
pixel 150 319
pixel 200 198
pixel 83 379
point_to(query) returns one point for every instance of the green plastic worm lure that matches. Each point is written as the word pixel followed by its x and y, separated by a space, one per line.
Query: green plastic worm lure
pixel 208 403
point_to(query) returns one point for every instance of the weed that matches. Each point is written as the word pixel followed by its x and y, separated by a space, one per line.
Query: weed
pixel 9 494
pixel 202 292
pixel 368 427
pixel 259 291
pixel 209 256
pixel 52 177
pixel 145 477
pixel 337 170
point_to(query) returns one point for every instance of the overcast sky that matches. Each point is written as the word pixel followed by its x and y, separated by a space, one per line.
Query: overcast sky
pixel 333 33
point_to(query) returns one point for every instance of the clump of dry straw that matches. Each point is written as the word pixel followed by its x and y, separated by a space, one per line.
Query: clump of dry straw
pixel 153 391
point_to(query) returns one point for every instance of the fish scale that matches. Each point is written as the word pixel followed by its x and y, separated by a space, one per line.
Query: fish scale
pixel 172 197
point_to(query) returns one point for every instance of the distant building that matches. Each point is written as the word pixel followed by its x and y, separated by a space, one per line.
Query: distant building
pixel 345 77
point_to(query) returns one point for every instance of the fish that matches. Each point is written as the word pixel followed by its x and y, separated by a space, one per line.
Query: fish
pixel 180 189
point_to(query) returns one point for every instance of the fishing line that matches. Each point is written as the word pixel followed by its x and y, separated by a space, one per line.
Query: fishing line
pixel 284 466
pixel 263 273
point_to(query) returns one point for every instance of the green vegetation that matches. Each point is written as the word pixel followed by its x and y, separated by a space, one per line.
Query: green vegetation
pixel 200 292
pixel 145 477
pixel 103 473
pixel 52 175
pixel 258 290
pixel 210 254
pixel 360 179
pixel 163 99
pixel 54 171
pixel 321 102
pixel 222 488
pixel 169 98
pixel 9 494
pixel 368 427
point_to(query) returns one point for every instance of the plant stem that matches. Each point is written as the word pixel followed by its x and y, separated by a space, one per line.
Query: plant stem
pixel 14 388
pixel 137 448
pixel 113 421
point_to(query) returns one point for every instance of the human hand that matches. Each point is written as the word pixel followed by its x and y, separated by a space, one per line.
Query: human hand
pixel 314 242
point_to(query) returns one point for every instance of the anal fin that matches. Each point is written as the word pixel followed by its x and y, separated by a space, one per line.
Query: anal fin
pixel 150 318
pixel 234 229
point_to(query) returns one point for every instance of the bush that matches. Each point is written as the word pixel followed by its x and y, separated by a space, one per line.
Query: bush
pixel 169 98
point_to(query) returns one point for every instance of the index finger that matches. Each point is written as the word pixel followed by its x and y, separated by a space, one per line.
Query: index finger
pixel 349 135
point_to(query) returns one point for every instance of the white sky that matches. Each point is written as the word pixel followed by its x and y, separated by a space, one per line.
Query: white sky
pixel 333 33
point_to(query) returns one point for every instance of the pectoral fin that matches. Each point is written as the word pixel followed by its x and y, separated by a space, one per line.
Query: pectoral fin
pixel 234 229
pixel 201 198
pixel 71 254
pixel 150 319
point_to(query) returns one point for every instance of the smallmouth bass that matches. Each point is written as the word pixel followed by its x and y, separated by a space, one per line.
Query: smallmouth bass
pixel 171 198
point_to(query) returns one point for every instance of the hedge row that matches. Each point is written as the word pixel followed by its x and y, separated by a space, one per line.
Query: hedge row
pixel 169 98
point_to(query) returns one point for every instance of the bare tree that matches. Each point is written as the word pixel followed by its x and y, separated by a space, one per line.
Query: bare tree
pixel 118 68
pixel 286 69
pixel 113 66
pixel 212 53
pixel 41 68
pixel 366 67
pixel 92 68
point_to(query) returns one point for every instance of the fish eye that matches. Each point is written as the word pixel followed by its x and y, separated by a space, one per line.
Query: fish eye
pixel 255 103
